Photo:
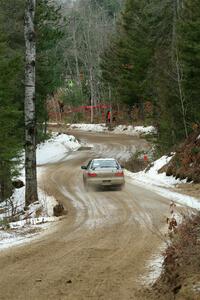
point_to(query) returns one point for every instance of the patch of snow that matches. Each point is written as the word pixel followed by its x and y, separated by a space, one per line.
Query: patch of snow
pixel 24 233
pixel 89 127
pixel 160 183
pixel 120 129
pixel 134 130
pixel 56 148
pixel 152 176
pixel 32 221
pixel 196 287
pixel 198 137
pixel 145 130
pixel 29 225
pixel 154 267
pixel 179 198
pixel 50 203
pixel 54 123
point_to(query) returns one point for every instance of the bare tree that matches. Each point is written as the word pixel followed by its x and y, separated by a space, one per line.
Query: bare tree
pixel 96 28
pixel 177 6
pixel 87 34
pixel 29 104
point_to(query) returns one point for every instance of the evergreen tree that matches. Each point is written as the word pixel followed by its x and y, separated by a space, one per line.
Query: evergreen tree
pixel 50 64
pixel 189 43
pixel 11 90
pixel 50 70
pixel 112 7
pixel 155 55
pixel 126 63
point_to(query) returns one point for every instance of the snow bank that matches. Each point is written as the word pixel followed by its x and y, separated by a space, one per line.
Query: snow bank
pixel 51 151
pixel 120 129
pixel 25 231
pixel 56 148
pixel 152 176
pixel 134 130
pixel 154 267
pixel 89 127
pixel 161 184
pixel 39 213
pixel 145 130
pixel 30 225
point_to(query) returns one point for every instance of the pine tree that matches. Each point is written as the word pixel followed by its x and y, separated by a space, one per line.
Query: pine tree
pixel 11 91
pixel 50 63
pixel 155 56
pixel 189 43
pixel 125 63
pixel 50 70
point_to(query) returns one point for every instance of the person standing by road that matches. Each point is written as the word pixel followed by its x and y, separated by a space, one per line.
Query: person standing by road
pixel 108 117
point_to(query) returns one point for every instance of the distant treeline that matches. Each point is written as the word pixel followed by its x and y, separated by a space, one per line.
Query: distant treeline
pixel 155 56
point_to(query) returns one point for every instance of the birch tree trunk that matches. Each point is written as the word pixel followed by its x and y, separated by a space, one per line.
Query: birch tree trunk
pixel 29 104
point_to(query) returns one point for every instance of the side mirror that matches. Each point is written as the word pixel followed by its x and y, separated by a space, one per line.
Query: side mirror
pixel 122 167
pixel 83 167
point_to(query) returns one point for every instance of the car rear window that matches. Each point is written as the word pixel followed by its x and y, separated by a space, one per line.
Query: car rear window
pixel 105 164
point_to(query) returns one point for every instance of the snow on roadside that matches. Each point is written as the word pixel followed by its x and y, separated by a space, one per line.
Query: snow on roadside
pixel 30 225
pixel 120 129
pixel 134 130
pixel 25 233
pixel 154 267
pixel 89 127
pixel 161 183
pixel 56 148
pixel 152 177
pixel 40 214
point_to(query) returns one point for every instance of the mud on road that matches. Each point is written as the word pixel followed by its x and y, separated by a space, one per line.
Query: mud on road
pixel 99 250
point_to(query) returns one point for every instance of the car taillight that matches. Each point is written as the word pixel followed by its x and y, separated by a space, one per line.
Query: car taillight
pixel 91 174
pixel 119 174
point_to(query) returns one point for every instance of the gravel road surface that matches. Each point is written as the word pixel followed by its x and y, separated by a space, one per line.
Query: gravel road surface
pixel 100 249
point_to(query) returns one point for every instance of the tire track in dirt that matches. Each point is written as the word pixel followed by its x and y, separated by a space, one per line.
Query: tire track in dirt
pixel 99 250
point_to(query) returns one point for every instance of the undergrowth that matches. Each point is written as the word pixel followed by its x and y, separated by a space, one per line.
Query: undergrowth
pixel 180 278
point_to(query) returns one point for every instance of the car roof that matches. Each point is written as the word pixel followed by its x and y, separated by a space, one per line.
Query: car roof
pixel 100 159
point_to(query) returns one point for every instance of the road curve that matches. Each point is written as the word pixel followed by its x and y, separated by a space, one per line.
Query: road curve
pixel 99 250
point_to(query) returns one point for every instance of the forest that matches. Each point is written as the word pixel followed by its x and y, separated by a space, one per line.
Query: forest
pixel 125 52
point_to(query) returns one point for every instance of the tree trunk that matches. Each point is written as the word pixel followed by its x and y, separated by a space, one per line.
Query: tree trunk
pixel 178 69
pixel 29 104
pixel 76 54
pixel 91 96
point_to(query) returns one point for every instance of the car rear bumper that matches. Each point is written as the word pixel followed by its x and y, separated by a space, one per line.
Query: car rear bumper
pixel 105 182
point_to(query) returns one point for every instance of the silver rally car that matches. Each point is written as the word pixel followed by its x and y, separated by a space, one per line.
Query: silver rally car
pixel 103 172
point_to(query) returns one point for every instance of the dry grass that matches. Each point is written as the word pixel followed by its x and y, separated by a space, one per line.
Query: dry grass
pixel 136 163
pixel 180 278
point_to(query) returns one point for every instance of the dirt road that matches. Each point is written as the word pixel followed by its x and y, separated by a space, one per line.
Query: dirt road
pixel 99 250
